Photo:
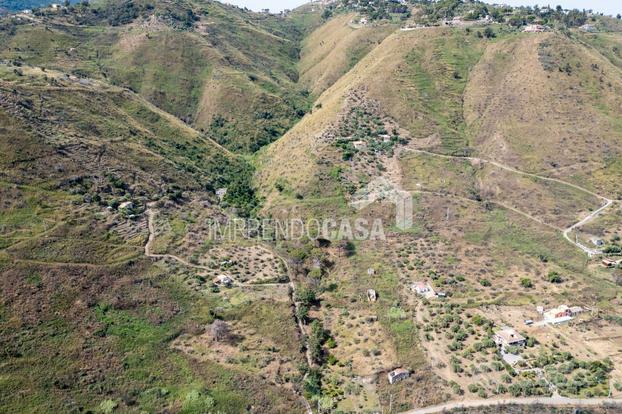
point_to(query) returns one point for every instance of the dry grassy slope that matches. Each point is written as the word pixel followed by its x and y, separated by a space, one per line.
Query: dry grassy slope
pixel 184 71
pixel 334 48
pixel 392 81
pixel 85 318
pixel 535 119
pixel 555 204
pixel 493 98
pixel 67 132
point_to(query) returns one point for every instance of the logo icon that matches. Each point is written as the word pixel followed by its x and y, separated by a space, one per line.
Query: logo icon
pixel 382 189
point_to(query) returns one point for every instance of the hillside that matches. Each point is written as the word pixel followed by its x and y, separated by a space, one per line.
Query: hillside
pixel 454 177
pixel 224 71
pixel 489 136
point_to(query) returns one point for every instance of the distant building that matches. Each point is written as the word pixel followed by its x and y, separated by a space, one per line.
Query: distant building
pixel 223 280
pixel 608 262
pixel 597 242
pixel 220 193
pixel 371 271
pixel 509 337
pixel 535 28
pixel 372 296
pixel 126 205
pixel 558 312
pixel 360 145
pixel 588 28
pixel 398 375
pixel 424 289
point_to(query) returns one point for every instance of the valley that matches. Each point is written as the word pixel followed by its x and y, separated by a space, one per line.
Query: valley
pixel 155 155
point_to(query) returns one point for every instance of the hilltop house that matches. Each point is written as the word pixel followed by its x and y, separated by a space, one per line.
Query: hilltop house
pixel 509 337
pixel 535 28
pixel 398 375
pixel 588 28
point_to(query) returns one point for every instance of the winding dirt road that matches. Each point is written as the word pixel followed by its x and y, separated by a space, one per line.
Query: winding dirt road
pixel 566 232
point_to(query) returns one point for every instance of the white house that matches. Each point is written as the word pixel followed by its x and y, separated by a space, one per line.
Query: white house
pixel 588 28
pixel 398 375
pixel 535 28
pixel 424 289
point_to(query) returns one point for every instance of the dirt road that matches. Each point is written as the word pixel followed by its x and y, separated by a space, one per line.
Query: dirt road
pixel 550 401
pixel 566 232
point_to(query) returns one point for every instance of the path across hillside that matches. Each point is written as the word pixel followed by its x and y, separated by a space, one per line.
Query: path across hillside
pixel 150 213
pixel 557 401
pixel 566 232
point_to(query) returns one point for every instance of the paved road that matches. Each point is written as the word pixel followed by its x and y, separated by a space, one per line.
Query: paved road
pixel 550 401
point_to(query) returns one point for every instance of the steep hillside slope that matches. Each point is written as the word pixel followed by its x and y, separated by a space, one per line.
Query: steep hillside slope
pixel 488 136
pixel 86 320
pixel 517 100
pixel 334 48
pixel 530 110
pixel 225 71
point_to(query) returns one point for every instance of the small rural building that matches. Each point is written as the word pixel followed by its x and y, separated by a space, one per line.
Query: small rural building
pixel 223 280
pixel 597 242
pixel 220 193
pixel 588 28
pixel 359 145
pixel 509 337
pixel 424 289
pixel 559 312
pixel 398 375
pixel 608 262
pixel 575 310
pixel 535 28
pixel 371 271
pixel 126 205
pixel 372 296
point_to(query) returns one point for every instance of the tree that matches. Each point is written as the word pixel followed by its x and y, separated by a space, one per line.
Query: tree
pixel 219 330
pixel 526 283
pixel 555 277
pixel 317 337
pixel 303 313
pixel 489 33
